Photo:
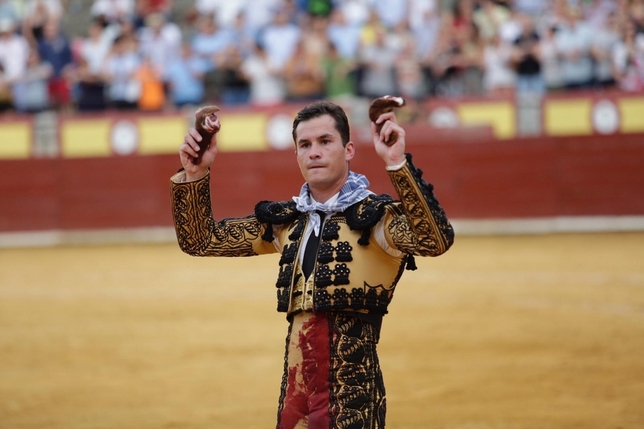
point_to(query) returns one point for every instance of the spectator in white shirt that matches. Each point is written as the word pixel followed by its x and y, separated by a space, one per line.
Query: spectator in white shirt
pixel 356 12
pixel 160 41
pixel 113 10
pixel 30 92
pixel 628 59
pixel 604 40
pixel 14 51
pixel 259 13
pixel 573 42
pixel 280 40
pixel 224 11
pixel 391 12
pixel 499 76
pixel 96 46
pixel 124 89
pixel 267 85
pixel 344 36
pixel 53 8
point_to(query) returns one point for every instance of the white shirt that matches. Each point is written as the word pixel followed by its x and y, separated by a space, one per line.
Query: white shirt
pixel 95 52
pixel 54 8
pixel 280 43
pixel 498 72
pixel 161 47
pixel 13 57
pixel 113 9
pixel 378 231
pixel 266 88
pixel 225 11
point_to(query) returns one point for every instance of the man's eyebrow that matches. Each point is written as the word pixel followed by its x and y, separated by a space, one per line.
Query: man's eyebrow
pixel 322 136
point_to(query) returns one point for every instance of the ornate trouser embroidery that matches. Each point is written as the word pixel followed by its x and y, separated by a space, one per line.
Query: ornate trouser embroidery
pixel 332 376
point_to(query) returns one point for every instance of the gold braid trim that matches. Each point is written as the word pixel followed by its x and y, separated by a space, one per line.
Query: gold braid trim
pixel 426 230
pixel 198 233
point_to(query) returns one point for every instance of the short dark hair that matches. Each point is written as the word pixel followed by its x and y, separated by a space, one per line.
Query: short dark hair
pixel 320 108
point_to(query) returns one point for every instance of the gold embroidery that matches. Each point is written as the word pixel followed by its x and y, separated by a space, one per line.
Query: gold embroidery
pixel 358 393
pixel 424 229
pixel 199 234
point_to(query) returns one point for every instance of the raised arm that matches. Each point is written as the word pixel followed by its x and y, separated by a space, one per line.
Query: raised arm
pixel 418 224
pixel 424 229
pixel 198 233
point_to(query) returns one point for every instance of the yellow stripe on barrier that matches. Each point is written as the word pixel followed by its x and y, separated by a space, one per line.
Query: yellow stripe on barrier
pixel 568 117
pixel 632 114
pixel 15 140
pixel 161 135
pixel 501 116
pixel 243 132
pixel 85 138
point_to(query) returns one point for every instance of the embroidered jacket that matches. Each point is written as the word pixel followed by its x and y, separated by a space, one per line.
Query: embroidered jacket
pixel 352 271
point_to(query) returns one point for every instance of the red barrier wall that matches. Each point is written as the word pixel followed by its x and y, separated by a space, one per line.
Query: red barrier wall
pixel 544 177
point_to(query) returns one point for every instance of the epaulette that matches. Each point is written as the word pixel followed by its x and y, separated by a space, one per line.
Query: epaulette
pixel 275 213
pixel 365 214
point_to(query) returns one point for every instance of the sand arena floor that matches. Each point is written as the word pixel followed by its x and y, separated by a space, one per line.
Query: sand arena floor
pixel 501 332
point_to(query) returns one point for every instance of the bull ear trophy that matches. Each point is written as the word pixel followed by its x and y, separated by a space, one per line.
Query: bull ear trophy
pixel 207 124
pixel 383 105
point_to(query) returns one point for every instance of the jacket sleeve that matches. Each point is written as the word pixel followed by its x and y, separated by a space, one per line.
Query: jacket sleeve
pixel 199 234
pixel 417 224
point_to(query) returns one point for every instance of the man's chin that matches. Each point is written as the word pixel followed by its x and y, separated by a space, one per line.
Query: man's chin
pixel 316 181
pixel 316 174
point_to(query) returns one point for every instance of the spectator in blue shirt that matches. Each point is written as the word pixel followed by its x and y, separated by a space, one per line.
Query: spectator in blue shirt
pixel 54 48
pixel 185 79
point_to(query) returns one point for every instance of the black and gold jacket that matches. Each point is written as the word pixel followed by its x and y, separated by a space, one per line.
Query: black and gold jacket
pixel 352 272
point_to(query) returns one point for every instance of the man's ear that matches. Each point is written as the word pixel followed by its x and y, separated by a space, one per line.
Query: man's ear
pixel 350 151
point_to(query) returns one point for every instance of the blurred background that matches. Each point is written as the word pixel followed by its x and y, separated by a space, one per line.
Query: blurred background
pixel 526 115
pixel 529 111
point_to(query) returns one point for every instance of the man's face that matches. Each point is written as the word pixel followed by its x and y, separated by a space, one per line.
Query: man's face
pixel 323 161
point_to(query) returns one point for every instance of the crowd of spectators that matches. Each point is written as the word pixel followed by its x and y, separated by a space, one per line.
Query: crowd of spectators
pixel 135 55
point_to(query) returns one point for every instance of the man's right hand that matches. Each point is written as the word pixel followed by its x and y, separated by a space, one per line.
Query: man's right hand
pixel 188 154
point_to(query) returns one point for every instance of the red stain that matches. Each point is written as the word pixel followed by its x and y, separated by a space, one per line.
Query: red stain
pixel 307 392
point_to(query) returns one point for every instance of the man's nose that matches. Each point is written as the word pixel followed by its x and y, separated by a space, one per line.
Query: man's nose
pixel 315 150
